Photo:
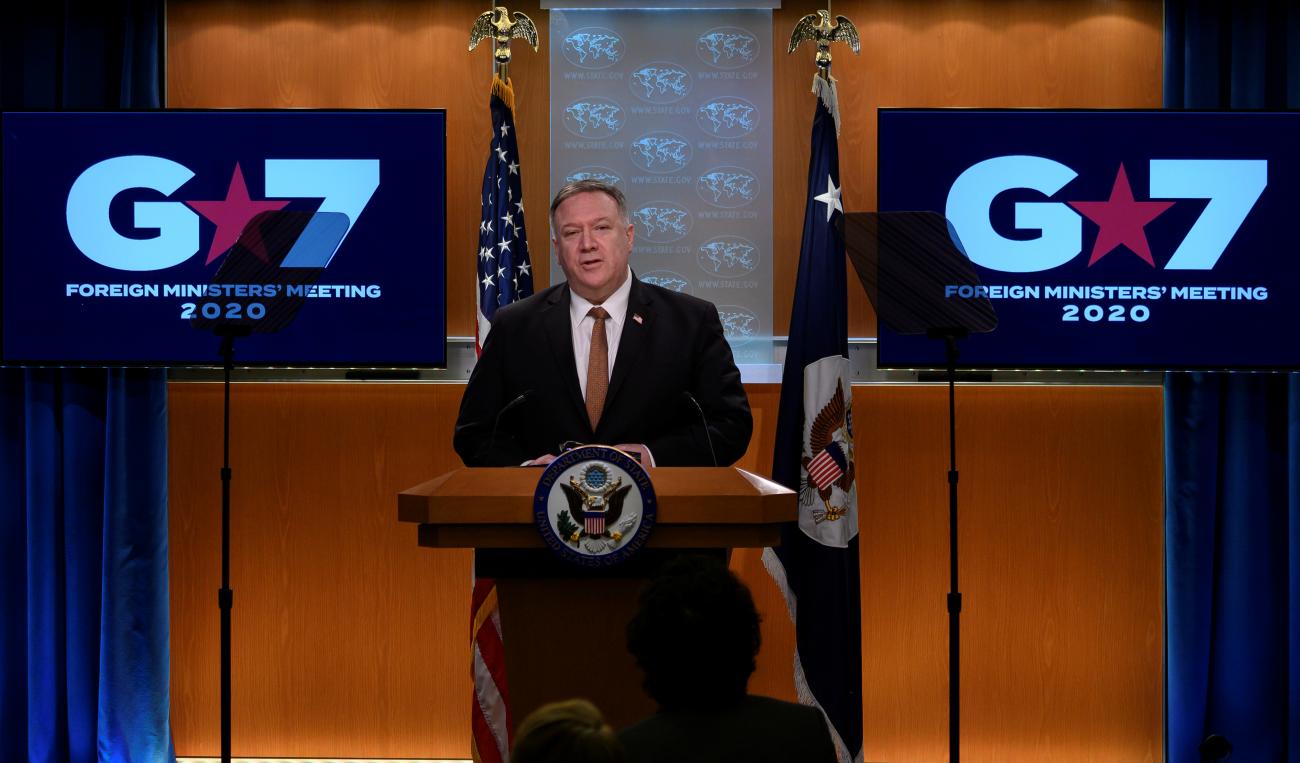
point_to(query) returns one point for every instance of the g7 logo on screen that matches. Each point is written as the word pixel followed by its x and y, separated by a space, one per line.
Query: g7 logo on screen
pixel 1232 187
pixel 345 186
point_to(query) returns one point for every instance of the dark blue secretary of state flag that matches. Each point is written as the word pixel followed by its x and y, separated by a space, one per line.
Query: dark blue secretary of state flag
pixel 816 565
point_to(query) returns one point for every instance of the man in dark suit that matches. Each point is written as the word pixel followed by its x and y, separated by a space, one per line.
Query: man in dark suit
pixel 696 636
pixel 603 358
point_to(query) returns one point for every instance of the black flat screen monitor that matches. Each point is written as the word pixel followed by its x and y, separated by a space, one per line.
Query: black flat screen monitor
pixel 131 238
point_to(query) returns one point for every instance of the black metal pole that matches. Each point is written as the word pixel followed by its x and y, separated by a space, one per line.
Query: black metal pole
pixel 225 597
pixel 954 593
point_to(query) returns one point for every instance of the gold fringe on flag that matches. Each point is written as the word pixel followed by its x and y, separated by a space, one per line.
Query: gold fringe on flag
pixel 503 89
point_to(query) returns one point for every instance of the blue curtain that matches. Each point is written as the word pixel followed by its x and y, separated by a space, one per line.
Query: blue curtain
pixel 1232 460
pixel 84 653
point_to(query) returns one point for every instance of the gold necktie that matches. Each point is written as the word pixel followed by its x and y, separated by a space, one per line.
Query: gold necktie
pixel 597 367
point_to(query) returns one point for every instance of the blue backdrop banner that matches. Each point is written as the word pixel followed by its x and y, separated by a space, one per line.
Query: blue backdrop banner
pixel 1232 454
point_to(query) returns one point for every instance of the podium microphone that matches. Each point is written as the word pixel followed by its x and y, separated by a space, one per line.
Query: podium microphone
pixel 492 439
pixel 703 422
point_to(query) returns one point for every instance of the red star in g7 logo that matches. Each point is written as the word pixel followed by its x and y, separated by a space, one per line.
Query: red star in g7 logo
pixel 1121 220
pixel 232 214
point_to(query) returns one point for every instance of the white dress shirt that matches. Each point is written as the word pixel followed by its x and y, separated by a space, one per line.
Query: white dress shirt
pixel 581 323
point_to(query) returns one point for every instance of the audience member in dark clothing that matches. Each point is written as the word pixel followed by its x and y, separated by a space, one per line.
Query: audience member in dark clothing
pixel 695 635
pixel 572 731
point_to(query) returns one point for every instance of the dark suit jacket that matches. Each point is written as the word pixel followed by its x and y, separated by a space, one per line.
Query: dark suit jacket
pixel 754 730
pixel 676 347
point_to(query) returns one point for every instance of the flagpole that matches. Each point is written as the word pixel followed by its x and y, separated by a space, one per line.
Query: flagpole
pixel 817 565
pixel 504 274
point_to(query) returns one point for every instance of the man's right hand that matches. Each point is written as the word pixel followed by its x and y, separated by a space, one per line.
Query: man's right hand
pixel 541 460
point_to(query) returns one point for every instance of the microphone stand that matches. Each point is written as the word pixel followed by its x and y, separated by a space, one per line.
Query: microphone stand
pixel 950 335
pixel 704 422
pixel 486 448
pixel 225 596
pixel 904 260
pixel 277 232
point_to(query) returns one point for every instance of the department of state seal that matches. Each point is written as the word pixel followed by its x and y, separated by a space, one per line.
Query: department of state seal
pixel 594 506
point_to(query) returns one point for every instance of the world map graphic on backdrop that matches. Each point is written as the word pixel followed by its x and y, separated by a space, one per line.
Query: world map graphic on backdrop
pixel 676 112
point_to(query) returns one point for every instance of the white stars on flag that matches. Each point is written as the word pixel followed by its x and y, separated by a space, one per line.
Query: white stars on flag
pixel 831 198
pixel 504 271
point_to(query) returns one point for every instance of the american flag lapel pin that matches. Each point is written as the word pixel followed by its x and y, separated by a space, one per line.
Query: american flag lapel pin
pixel 637 317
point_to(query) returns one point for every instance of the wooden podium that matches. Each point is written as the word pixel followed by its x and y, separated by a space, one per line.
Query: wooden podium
pixel 563 626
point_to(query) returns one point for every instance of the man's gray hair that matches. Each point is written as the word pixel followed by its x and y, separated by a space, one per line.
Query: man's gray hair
pixel 590 186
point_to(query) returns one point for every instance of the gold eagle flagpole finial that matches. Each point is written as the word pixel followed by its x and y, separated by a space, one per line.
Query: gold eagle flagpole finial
pixel 819 28
pixel 496 24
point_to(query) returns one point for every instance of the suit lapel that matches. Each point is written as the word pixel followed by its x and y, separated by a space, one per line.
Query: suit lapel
pixel 637 324
pixel 559 334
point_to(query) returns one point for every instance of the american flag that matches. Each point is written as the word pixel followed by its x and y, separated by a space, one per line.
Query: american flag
pixel 490 717
pixel 827 466
pixel 504 275
pixel 504 271
pixel 594 523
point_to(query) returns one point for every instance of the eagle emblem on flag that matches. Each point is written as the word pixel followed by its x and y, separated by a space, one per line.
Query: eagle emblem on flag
pixel 828 468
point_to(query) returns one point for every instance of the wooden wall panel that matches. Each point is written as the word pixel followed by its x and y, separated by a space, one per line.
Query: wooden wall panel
pixel 1062 631
pixel 348 639
pixel 988 53
pixel 1061 572
pixel 351 641
pixel 396 54
pixel 393 54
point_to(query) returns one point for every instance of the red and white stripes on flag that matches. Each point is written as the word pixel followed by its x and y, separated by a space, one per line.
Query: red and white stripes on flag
pixel 594 525
pixel 490 724
pixel 827 467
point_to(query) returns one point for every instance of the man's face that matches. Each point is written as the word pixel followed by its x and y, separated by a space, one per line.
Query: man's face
pixel 593 244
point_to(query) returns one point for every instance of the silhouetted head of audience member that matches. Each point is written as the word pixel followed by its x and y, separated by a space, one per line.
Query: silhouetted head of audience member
pixel 572 731
pixel 695 634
